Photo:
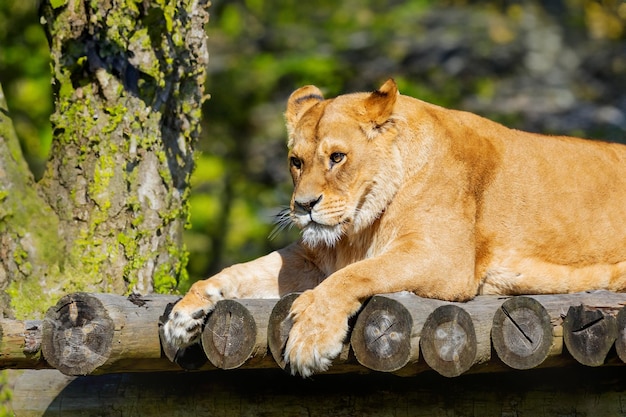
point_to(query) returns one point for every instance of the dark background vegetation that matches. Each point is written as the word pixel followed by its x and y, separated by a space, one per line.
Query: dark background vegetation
pixel 553 66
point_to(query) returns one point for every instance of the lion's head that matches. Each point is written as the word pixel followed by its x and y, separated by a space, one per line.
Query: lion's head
pixel 343 161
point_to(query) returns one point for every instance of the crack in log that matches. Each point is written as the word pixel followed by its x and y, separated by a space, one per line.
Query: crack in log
pixel 517 326
pixel 588 325
pixel 382 334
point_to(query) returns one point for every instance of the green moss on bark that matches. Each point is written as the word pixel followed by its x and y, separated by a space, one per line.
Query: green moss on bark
pixel 29 245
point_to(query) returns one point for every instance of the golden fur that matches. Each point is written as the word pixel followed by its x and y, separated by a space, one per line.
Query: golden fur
pixel 393 193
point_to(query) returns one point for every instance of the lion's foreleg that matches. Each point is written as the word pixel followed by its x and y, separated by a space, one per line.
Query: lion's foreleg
pixel 270 276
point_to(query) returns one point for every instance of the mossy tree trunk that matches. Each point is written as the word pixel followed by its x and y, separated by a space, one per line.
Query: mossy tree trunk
pixel 128 82
pixel 28 228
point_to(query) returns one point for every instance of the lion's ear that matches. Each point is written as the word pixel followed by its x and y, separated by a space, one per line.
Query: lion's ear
pixel 299 102
pixel 379 105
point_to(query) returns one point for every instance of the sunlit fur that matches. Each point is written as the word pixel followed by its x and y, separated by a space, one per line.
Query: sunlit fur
pixel 440 202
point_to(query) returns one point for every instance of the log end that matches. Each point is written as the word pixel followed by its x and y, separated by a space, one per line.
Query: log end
pixel 381 338
pixel 77 334
pixel 522 333
pixel 229 336
pixel 448 341
pixel 589 334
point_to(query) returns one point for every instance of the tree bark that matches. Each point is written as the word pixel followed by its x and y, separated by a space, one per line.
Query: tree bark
pixel 128 82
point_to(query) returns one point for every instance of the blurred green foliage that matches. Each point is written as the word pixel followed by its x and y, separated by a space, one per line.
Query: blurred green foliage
pixel 554 66
pixel 25 77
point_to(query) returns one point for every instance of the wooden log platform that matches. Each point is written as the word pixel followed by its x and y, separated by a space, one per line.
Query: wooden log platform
pixel 562 341
pixel 397 333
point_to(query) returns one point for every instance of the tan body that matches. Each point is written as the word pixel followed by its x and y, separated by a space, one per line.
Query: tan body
pixel 394 194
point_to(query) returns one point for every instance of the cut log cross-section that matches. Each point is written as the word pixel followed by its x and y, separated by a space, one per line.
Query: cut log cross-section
pixel 229 334
pixel 387 331
pixel 236 331
pixel 448 341
pixel 522 333
pixel 589 334
pixel 381 338
pixel 393 331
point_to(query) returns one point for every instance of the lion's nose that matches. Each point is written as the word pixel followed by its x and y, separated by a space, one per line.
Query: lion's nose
pixel 308 204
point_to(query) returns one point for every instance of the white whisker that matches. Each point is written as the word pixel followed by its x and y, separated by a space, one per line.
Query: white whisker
pixel 283 221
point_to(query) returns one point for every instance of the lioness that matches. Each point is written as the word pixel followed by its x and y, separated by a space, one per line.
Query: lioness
pixel 392 193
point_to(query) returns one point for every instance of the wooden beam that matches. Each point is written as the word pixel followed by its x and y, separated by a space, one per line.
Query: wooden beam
pixel 574 391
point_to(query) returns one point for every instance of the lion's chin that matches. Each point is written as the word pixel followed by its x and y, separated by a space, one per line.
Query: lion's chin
pixel 315 234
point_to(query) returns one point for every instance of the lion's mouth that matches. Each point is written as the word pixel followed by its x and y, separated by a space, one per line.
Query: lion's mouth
pixel 321 227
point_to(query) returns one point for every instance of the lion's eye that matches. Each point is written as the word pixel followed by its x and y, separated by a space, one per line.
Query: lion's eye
pixel 295 162
pixel 337 157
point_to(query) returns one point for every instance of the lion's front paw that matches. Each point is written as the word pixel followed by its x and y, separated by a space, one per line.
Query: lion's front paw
pixel 185 321
pixel 317 335
pixel 182 328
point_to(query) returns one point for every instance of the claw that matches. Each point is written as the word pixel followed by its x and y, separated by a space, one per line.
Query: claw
pixel 198 315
